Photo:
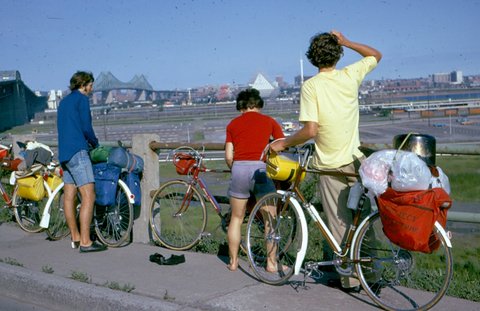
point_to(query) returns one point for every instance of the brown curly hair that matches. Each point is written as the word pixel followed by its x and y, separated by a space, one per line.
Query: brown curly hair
pixel 324 50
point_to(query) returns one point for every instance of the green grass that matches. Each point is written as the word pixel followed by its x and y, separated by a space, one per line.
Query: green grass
pixel 464 175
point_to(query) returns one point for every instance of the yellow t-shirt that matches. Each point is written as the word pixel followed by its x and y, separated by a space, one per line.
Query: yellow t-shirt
pixel 331 100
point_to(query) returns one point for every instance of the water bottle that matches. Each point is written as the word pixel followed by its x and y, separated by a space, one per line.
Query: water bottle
pixel 354 196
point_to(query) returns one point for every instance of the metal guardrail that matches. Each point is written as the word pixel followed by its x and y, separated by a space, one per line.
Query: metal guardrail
pixel 464 217
pixel 453 149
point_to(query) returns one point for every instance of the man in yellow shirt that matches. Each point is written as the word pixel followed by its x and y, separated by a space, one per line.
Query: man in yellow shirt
pixel 329 113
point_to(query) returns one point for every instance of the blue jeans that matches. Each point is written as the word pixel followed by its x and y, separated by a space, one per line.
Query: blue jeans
pixel 78 170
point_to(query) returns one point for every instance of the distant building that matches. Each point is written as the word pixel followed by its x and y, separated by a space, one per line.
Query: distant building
pixel 10 75
pixel 456 77
pixel 261 83
pixel 441 78
pixel 17 102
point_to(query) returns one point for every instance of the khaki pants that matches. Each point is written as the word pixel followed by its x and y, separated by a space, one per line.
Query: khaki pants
pixel 334 192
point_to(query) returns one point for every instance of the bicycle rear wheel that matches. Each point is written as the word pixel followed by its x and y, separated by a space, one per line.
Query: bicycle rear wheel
pixel 178 215
pixel 113 224
pixel 57 227
pixel 273 238
pixel 28 213
pixel 397 279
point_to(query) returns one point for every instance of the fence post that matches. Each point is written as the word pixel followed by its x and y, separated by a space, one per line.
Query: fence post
pixel 150 181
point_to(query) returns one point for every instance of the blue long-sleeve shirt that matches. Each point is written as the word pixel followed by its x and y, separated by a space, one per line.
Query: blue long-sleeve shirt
pixel 74 126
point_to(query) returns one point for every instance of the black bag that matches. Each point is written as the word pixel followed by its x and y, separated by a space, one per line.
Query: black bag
pixel 133 182
pixel 106 180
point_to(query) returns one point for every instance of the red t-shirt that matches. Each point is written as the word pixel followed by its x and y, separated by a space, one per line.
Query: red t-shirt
pixel 250 133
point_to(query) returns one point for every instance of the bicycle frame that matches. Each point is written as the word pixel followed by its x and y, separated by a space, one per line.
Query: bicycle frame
pixel 196 180
pixel 300 204
pixel 6 197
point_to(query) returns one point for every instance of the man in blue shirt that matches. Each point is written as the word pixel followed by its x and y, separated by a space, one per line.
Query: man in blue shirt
pixel 75 137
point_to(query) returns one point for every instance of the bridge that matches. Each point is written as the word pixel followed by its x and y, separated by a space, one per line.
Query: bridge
pixel 108 89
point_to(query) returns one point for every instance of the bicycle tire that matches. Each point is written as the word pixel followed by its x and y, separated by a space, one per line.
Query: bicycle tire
pixel 57 227
pixel 174 230
pixel 28 213
pixel 397 279
pixel 285 235
pixel 113 224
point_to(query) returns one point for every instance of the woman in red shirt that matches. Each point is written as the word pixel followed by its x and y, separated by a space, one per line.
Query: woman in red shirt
pixel 247 136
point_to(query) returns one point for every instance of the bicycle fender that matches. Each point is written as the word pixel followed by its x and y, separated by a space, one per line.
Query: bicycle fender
pixel 131 197
pixel 444 234
pixel 44 222
pixel 303 246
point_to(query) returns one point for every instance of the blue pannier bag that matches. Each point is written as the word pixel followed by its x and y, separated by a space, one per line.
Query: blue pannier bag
pixel 106 180
pixel 133 182
pixel 122 158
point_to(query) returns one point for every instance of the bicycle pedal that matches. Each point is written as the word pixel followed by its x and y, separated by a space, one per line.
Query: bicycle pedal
pixel 206 234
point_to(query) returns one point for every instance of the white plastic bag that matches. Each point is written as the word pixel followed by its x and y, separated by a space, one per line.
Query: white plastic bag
pixel 403 169
pixel 441 181
pixel 374 171
pixel 409 172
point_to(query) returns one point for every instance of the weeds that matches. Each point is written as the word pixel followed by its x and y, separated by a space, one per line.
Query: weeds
pixel 116 286
pixel 80 276
pixel 12 261
pixel 47 269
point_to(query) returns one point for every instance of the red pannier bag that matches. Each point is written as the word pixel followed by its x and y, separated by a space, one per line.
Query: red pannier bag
pixel 183 162
pixel 408 218
pixel 10 165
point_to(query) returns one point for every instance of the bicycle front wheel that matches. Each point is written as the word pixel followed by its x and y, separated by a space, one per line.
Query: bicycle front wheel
pixel 113 224
pixel 57 227
pixel 273 238
pixel 28 213
pixel 397 279
pixel 178 215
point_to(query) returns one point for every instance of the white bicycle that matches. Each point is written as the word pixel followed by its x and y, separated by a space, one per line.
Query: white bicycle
pixel 394 278
pixel 113 224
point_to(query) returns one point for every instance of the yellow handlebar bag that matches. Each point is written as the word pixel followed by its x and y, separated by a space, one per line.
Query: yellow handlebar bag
pixel 53 182
pixel 281 167
pixel 31 188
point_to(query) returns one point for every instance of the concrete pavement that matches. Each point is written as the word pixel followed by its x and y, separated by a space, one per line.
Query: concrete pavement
pixel 201 283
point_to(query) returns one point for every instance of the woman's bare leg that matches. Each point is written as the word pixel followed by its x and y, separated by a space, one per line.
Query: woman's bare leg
pixel 238 207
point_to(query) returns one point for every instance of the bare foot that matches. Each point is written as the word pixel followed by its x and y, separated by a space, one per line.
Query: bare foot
pixel 275 269
pixel 233 265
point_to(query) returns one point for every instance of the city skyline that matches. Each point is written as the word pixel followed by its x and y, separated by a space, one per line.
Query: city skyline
pixel 180 45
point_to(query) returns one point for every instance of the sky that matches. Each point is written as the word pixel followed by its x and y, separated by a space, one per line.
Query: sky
pixel 192 43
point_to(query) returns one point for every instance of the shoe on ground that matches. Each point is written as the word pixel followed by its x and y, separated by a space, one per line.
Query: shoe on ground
pixel 174 260
pixel 94 247
pixel 157 258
